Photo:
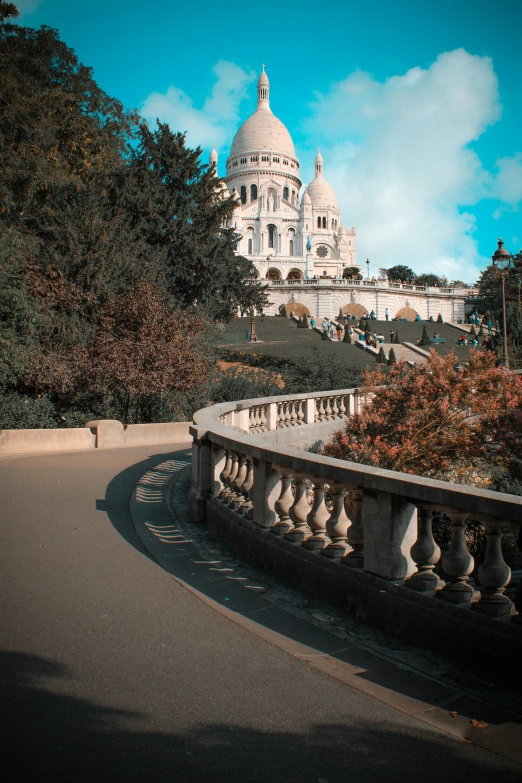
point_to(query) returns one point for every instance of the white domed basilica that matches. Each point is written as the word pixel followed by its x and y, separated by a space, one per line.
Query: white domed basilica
pixel 286 237
pixel 295 238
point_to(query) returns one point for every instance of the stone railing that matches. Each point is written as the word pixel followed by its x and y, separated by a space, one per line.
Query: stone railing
pixel 377 284
pixel 353 534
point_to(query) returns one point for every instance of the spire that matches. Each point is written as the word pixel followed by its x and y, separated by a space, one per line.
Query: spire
pixel 318 164
pixel 263 90
pixel 213 159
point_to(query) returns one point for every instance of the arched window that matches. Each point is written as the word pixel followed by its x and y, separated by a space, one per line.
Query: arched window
pixel 250 247
pixel 243 194
pixel 285 194
pixel 318 222
pixel 324 222
pixel 253 192
pixel 291 248
pixel 293 196
pixel 271 236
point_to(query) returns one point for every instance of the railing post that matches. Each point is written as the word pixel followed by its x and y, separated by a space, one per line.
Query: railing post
pixel 202 478
pixel 299 512
pixel 317 518
pixel 494 573
pixel 337 524
pixel 242 419
pixel 271 416
pixel 284 503
pixel 355 536
pixel 425 553
pixel 264 493
pixel 390 530
pixel 457 562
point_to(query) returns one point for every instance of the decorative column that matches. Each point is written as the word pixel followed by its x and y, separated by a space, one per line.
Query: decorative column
pixel 264 493
pixel 457 562
pixel 299 511
pixel 355 535
pixel 283 504
pixel 317 518
pixel 238 482
pixel 425 553
pixel 337 525
pixel 494 573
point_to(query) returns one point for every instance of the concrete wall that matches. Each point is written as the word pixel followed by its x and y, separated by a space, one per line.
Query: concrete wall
pixel 102 434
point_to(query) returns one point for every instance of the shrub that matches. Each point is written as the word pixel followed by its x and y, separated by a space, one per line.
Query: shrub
pixel 425 338
pixel 20 412
pixel 439 319
pixel 392 359
pixel 381 357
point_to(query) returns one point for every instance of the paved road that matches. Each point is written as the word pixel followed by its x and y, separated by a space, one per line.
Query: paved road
pixel 113 671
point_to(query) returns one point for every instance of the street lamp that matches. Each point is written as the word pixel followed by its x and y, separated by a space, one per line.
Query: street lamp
pixel 253 335
pixel 368 268
pixel 501 264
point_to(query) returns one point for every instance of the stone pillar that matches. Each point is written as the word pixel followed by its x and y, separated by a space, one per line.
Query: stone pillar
pixel 390 530
pixel 202 480
pixel 309 410
pixel 271 416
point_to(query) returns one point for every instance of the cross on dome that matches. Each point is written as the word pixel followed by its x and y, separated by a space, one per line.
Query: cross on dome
pixel 263 90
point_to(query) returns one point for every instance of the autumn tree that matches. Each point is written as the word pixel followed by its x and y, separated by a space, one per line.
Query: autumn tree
pixel 400 272
pixel 435 419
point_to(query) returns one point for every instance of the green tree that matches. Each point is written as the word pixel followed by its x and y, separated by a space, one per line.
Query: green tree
pixel 401 272
pixel 425 338
pixel 381 356
pixel 392 359
pixel 180 219
pixel 428 278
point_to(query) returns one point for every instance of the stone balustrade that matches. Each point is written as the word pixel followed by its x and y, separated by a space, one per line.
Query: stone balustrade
pixel 340 528
pixel 374 284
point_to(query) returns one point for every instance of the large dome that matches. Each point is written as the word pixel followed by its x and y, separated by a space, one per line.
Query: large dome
pixel 263 131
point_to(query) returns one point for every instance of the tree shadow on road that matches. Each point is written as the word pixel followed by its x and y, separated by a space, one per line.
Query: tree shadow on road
pixel 49 735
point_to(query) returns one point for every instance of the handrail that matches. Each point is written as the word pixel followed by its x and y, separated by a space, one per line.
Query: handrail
pixel 246 465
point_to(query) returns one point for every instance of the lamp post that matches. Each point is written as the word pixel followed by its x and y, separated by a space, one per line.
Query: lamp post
pixel 253 335
pixel 368 268
pixel 501 264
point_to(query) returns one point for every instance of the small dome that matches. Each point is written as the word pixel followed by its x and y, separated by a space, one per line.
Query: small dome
pixel 318 157
pixel 342 231
pixel 321 192
pixel 213 155
pixel 306 200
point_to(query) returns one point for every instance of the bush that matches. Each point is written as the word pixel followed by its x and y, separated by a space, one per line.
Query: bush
pixel 381 357
pixel 236 384
pixel 439 319
pixel 19 412
pixel 392 359
pixel 425 338
pixel 396 338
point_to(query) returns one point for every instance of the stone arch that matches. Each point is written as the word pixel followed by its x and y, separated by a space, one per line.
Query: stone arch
pixel 273 274
pixel 407 312
pixel 296 308
pixel 358 310
pixel 295 274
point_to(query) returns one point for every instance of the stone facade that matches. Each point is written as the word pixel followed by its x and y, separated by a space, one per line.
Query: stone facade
pixel 300 239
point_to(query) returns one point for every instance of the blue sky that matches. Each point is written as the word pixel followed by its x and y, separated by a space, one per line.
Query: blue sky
pixel 417 106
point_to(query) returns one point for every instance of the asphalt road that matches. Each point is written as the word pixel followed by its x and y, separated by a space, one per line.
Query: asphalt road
pixel 112 671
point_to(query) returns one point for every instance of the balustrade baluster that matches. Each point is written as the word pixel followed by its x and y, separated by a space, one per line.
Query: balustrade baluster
pixel 300 412
pixel 317 406
pixel 263 419
pixel 230 493
pixel 299 511
pixel 335 408
pixel 247 506
pixel 317 518
pixel 283 505
pixel 355 535
pixel 279 417
pixel 342 406
pixel 238 482
pixel 225 474
pixel 293 414
pixel 494 573
pixel 288 415
pixel 425 553
pixel 327 409
pixel 252 420
pixel 457 562
pixel 337 525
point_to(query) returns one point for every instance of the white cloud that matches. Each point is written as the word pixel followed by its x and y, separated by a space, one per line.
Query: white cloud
pixel 27 6
pixel 408 170
pixel 216 120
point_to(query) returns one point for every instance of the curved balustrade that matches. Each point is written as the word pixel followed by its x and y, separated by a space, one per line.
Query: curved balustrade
pixel 377 284
pixel 376 522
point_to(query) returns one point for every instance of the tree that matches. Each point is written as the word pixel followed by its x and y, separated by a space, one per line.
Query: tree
pixel 401 272
pixel 428 278
pixel 180 216
pixel 142 348
pixel 381 356
pixel 382 272
pixel 425 338
pixel 352 272
pixel 491 291
pixel 392 359
pixel 396 338
pixel 435 420
pixel 459 284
